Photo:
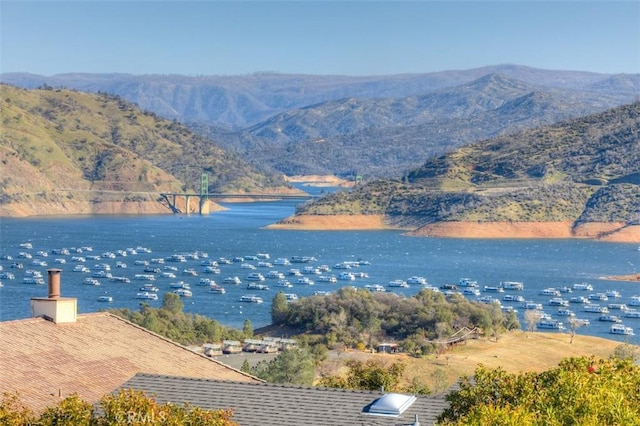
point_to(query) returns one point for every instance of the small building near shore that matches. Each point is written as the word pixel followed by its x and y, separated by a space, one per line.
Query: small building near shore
pixel 389 348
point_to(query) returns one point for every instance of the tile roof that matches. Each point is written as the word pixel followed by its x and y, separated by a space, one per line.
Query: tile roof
pixel 93 356
pixel 281 405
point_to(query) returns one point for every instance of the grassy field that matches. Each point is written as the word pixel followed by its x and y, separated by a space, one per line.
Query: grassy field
pixel 515 352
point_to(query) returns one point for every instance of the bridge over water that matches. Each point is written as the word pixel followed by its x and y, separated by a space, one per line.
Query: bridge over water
pixel 175 198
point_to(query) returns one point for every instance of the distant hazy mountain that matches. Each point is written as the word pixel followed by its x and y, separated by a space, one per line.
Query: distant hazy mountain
pixel 388 136
pixel 237 102
pixel 371 125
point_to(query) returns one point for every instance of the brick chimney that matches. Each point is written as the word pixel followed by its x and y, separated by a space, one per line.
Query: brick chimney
pixel 55 308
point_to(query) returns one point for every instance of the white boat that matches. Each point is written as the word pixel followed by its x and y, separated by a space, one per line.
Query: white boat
pixel 618 306
pixel 346 276
pixel 304 281
pixel 275 275
pixel 471 291
pixel 247 266
pixel 206 281
pixel 550 325
pixel 120 279
pixel 249 298
pixel 80 268
pixel 145 277
pixel 558 301
pixel 190 272
pixel 265 265
pixel 180 284
pixel 145 295
pixel 149 287
pixel 598 296
pixel 609 318
pixel 621 329
pixel 232 280
pixel 565 312
pixel 327 279
pixel 467 282
pixel 635 301
pixel 374 288
pixel 291 297
pixel 492 289
pixel 105 299
pixel 255 276
pixel 631 313
pixel 90 281
pixel 513 298
pixel 33 280
pixel 398 283
pixel 215 288
pixel 596 309
pixel 281 261
pixel 579 299
pixel 417 280
pixel 583 286
pixel 284 283
pixel 613 293
pixel 211 270
pixel 254 286
pixel 549 292
pixel 311 270
pixel 183 292
pixel 512 285
pixel 532 305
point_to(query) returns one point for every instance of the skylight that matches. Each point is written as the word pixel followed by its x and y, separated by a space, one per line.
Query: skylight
pixel 391 404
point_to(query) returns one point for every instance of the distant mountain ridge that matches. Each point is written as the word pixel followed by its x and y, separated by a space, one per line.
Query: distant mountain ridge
pixel 373 126
pixel 237 102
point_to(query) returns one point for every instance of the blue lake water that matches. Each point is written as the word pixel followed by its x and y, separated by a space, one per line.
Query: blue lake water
pixel 239 231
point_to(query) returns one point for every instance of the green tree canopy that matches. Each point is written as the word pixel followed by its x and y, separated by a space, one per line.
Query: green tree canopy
pixel 580 391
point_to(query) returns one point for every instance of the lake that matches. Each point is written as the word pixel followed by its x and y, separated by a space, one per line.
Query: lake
pixel 238 232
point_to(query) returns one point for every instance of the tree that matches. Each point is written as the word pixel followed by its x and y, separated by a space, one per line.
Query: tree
pixel 124 407
pixel 580 391
pixel 172 303
pixel 369 375
pixel 13 412
pixel 247 329
pixel 279 308
pixel 531 318
pixel 246 368
pixel 294 366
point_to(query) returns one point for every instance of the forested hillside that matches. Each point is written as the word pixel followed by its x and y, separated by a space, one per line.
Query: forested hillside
pixel 583 171
pixel 69 152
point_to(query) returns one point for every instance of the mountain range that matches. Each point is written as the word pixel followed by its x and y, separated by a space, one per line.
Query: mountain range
pixel 374 126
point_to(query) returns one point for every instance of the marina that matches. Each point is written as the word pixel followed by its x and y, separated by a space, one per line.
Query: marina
pixel 371 260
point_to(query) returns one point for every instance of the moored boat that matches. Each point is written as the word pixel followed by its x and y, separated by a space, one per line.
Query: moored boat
pixel 183 292
pixel 550 324
pixel 146 295
pixel 621 329
pixel 105 299
pixel 249 298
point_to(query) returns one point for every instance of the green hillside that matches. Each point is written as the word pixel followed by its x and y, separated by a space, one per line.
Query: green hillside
pixel 64 148
pixel 583 170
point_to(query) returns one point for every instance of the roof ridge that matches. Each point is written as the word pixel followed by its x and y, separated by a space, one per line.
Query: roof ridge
pixel 222 364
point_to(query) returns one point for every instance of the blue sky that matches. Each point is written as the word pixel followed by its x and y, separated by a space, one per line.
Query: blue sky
pixel 316 37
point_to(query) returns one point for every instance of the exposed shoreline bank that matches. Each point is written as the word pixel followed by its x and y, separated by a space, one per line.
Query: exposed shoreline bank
pixel 609 232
